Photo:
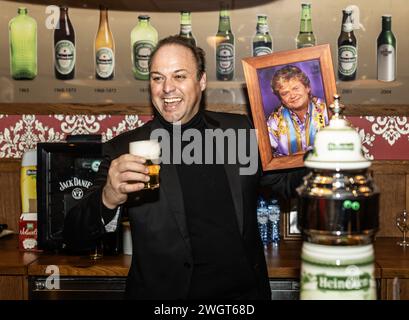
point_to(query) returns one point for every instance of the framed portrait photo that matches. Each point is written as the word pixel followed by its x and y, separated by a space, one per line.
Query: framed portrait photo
pixel 290 224
pixel 289 93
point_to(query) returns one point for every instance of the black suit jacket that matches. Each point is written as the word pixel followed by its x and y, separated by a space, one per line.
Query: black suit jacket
pixel 162 259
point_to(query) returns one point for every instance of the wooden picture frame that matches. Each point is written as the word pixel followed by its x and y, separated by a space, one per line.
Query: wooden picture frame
pixel 258 71
pixel 290 229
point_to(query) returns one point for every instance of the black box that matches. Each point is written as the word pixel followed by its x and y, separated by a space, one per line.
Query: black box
pixel 65 172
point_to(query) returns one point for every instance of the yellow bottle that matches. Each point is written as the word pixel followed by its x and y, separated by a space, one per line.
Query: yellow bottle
pixel 28 182
pixel 104 48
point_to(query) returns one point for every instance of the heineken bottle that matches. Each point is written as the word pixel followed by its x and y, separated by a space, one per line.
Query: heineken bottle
pixel 305 37
pixel 104 48
pixel 23 46
pixel 186 27
pixel 225 58
pixel 347 49
pixel 144 38
pixel 64 47
pixel 262 42
pixel 386 45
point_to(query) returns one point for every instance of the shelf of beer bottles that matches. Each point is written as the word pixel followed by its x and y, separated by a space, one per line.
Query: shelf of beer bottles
pixel 373 97
pixel 130 96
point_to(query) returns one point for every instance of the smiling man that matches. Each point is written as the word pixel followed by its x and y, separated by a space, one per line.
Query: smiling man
pixel 198 239
pixel 292 127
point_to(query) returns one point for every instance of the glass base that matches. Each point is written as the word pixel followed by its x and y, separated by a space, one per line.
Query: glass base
pixel 403 243
pixel 96 256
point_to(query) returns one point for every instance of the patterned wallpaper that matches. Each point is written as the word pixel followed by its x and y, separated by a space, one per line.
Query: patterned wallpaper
pixel 383 138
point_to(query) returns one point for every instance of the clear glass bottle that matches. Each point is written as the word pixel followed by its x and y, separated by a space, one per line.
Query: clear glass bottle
pixel 263 221
pixel 347 49
pixel 104 48
pixel 274 221
pixel 262 42
pixel 225 51
pixel 186 27
pixel 144 38
pixel 386 51
pixel 23 46
pixel 306 37
pixel 64 47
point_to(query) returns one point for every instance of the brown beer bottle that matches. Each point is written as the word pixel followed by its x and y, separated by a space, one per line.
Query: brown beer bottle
pixel 104 48
pixel 347 49
pixel 64 47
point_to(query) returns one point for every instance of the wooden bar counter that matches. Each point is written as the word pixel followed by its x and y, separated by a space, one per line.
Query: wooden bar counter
pixel 13 269
pixel 283 262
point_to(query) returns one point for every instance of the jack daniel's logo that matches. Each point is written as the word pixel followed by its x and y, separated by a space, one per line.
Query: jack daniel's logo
pixel 77 184
pixel 74 182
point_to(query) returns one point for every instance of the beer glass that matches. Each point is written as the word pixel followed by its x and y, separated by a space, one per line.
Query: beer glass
pixel 402 222
pixel 150 150
pixel 97 252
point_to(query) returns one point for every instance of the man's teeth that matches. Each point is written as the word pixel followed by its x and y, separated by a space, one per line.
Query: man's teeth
pixel 172 100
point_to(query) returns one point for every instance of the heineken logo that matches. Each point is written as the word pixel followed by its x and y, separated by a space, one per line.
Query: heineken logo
pixel 341 283
pixel 340 146
pixel 386 52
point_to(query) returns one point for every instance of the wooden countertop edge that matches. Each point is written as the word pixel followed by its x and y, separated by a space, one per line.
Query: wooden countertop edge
pixel 86 270
pixel 395 272
pixel 13 270
pixel 283 265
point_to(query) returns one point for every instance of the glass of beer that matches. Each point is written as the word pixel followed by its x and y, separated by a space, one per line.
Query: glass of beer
pixel 97 252
pixel 150 150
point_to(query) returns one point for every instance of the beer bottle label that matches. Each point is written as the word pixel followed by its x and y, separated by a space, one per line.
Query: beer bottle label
pixel 261 51
pixel 142 51
pixel 64 56
pixel 386 62
pixel 304 45
pixel 185 28
pixel 337 272
pixel 347 60
pixel 225 58
pixel 105 62
pixel 262 28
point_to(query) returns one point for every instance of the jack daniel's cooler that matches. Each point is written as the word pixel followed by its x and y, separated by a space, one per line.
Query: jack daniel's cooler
pixel 66 171
pixel 338 216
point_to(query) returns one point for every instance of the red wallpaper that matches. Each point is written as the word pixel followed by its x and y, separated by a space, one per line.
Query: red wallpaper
pixel 383 138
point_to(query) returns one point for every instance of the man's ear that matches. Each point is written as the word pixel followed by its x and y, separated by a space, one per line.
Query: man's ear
pixel 203 81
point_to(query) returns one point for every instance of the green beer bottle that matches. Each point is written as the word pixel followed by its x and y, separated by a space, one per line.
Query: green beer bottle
pixel 186 27
pixel 23 46
pixel 225 58
pixel 305 37
pixel 386 45
pixel 144 38
pixel 262 42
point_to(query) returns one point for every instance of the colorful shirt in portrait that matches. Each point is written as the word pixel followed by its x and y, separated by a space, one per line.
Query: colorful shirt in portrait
pixel 288 134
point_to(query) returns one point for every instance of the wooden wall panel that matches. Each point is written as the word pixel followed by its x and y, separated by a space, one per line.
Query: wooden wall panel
pixel 392 178
pixel 10 201
pixel 392 200
pixel 12 287
pixel 396 289
pixel 407 192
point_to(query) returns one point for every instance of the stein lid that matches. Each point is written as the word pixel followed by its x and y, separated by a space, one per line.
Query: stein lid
pixel 338 145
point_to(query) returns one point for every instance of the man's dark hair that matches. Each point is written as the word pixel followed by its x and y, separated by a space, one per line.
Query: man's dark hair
pixel 286 74
pixel 197 52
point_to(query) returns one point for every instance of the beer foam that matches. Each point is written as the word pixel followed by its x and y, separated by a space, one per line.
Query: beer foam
pixel 149 149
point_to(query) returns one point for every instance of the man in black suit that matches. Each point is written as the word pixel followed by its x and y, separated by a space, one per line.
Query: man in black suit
pixel 199 238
